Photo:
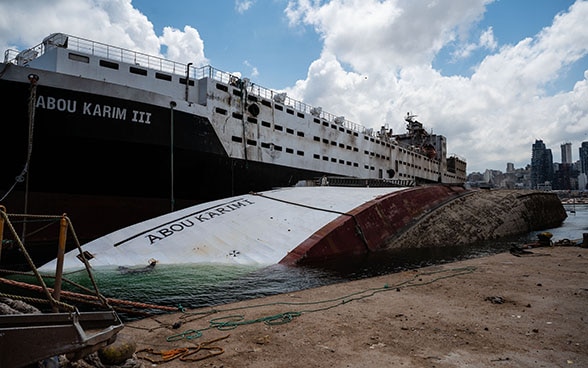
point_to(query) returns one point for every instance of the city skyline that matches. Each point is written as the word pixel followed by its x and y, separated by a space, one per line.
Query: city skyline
pixel 573 161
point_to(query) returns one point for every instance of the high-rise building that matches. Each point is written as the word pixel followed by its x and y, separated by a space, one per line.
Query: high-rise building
pixel 566 153
pixel 541 165
pixel 584 157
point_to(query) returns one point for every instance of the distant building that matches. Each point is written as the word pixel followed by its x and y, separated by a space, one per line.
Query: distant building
pixel 541 165
pixel 584 158
pixel 566 153
pixel 582 181
pixel 565 178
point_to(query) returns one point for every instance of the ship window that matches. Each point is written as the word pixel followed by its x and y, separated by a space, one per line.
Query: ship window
pixel 316 120
pixel 366 167
pixel 222 87
pixel 252 98
pixel 300 115
pixel 348 147
pixel 334 126
pixel 265 145
pixel 290 111
pixel 289 150
pixel 266 103
pixel 251 142
pixel 136 70
pixel 289 131
pixel 341 129
pixel 355 164
pixel 183 81
pixel 237 139
pixel 341 161
pixel 278 148
pixel 325 141
pixel 221 111
pixel 325 158
pixel 356 134
pixel 300 134
pixel 348 131
pixel 325 123
pixel 333 159
pixel 366 152
pixel 236 115
pixel 279 127
pixel 341 145
pixel 163 76
pixel 316 156
pixel 236 92
pixel 279 107
pixel 348 163
pixel 266 123
pixel 108 64
pixel 251 120
pixel 355 149
pixel 77 57
pixel 333 143
pixel 317 139
pixel 300 153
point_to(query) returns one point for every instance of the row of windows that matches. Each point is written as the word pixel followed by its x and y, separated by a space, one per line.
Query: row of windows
pixel 267 124
pixel 132 69
pixel 325 141
pixel 317 156
pixel 417 167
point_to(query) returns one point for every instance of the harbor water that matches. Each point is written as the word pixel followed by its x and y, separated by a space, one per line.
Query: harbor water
pixel 211 285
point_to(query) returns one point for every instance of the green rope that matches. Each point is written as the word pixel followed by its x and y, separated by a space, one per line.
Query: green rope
pixel 233 321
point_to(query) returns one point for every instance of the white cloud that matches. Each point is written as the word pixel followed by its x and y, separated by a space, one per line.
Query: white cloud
pixel 24 23
pixel 243 5
pixel 491 118
pixel 185 47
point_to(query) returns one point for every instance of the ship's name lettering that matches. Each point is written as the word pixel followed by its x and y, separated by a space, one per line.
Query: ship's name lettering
pixel 92 109
pixel 183 224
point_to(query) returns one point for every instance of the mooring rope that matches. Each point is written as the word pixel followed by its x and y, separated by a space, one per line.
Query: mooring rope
pixel 89 298
pixel 33 79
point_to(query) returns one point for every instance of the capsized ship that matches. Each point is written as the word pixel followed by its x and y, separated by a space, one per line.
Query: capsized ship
pixel 290 226
pixel 114 137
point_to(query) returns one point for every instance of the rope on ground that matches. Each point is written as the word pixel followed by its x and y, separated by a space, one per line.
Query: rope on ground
pixel 233 321
pixel 186 354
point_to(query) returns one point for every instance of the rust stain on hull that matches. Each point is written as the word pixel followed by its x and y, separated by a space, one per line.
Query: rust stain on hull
pixel 372 226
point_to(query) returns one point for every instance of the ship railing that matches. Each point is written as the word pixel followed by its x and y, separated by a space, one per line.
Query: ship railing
pixel 269 94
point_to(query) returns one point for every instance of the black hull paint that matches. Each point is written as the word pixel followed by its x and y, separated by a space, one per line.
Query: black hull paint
pixel 111 173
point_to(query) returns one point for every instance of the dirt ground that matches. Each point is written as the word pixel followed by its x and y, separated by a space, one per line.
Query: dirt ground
pixel 529 310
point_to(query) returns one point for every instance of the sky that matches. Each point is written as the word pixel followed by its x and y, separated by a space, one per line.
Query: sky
pixel 493 76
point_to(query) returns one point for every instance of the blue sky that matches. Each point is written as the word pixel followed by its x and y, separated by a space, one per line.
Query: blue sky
pixel 491 75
